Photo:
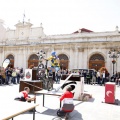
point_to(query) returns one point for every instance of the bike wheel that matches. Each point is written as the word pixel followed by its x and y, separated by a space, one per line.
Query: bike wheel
pixel 49 85
pixel 45 84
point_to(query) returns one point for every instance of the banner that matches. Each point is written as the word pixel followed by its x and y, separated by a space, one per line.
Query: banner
pixel 28 74
pixel 5 63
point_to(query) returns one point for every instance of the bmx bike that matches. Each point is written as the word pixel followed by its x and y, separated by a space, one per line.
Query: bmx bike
pixel 43 75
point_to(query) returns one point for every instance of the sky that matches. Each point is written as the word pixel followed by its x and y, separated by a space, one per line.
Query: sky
pixel 63 16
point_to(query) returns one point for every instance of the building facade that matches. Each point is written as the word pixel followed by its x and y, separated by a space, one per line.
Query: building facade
pixel 82 49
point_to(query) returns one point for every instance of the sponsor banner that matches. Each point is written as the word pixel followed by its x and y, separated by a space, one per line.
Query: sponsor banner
pixel 28 74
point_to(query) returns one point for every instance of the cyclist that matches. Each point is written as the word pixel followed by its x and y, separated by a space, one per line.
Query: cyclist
pixel 54 64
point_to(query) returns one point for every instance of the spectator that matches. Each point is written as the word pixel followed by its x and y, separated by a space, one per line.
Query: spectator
pixel 103 78
pixel 8 75
pixel 98 77
pixel 18 75
pixel 14 74
pixel 2 75
pixel 88 78
pixel 84 74
pixel 21 73
pixel 58 76
pixel 93 78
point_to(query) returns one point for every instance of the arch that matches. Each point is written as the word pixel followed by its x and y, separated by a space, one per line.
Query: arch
pixel 33 60
pixel 63 57
pixel 64 61
pixel 96 57
pixel 96 61
pixel 33 56
pixel 11 58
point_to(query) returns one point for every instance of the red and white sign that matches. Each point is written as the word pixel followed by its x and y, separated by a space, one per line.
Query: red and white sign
pixel 28 74
pixel 110 92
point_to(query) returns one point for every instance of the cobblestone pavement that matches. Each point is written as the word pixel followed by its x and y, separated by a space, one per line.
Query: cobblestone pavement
pixel 94 109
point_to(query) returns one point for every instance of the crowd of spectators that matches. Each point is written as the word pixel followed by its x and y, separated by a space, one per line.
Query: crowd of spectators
pixel 11 75
pixel 97 77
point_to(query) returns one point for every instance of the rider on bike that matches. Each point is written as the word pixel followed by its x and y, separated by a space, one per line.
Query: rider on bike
pixel 55 66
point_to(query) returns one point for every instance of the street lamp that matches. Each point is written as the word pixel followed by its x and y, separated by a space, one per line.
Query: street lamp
pixel 114 54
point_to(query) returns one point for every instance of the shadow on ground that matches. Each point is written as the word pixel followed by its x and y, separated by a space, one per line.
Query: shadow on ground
pixel 52 112
pixel 91 100
pixel 75 115
pixel 117 102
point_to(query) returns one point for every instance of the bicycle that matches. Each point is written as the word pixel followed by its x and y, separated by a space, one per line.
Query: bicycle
pixel 42 74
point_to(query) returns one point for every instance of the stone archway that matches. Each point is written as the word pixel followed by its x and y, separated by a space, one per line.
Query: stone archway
pixel 63 61
pixel 96 61
pixel 33 61
pixel 11 58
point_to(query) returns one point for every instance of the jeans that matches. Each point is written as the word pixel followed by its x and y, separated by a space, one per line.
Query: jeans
pixel 18 79
pixel 98 80
pixel 58 79
pixel 7 79
pixel 14 80
pixel 103 81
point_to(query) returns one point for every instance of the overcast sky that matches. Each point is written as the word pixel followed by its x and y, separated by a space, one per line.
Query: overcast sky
pixel 63 16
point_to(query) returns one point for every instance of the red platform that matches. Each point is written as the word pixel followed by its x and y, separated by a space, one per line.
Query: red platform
pixel 110 92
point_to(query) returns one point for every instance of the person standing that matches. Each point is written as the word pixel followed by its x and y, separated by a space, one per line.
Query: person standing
pixel 84 75
pixel 88 77
pixel 103 78
pixel 8 75
pixel 18 75
pixel 93 78
pixel 21 73
pixel 98 77
pixel 58 76
pixel 14 74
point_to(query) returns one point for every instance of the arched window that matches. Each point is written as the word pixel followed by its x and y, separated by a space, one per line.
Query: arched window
pixel 96 57
pixel 33 61
pixel 63 57
pixel 33 57
pixel 96 61
pixel 11 57
pixel 63 61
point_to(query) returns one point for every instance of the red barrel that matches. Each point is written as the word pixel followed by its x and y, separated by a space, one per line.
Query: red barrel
pixel 110 92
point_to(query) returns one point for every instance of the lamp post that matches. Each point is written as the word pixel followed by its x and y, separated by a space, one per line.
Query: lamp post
pixel 114 54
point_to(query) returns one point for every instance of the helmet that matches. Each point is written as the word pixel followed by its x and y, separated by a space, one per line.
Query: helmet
pixel 53 53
